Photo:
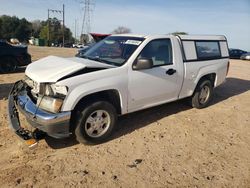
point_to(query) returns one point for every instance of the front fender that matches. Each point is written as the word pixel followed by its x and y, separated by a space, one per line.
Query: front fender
pixel 95 86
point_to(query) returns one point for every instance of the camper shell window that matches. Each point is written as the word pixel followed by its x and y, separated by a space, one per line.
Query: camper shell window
pixel 207 49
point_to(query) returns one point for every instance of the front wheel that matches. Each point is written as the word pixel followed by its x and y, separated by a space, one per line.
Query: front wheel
pixel 203 94
pixel 95 122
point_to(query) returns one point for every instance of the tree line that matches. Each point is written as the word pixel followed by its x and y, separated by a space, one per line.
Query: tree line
pixel 23 30
pixel 50 30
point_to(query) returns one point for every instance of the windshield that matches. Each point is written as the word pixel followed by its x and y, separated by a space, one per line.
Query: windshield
pixel 114 50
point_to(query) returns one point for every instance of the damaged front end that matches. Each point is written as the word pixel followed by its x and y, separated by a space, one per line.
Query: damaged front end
pixel 54 124
pixel 13 115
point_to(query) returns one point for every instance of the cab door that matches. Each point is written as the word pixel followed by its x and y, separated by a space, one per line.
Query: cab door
pixel 156 85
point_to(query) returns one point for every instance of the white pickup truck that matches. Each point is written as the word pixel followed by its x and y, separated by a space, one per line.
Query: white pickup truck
pixel 119 75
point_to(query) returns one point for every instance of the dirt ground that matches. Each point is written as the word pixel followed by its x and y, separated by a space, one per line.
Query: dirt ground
pixel 167 146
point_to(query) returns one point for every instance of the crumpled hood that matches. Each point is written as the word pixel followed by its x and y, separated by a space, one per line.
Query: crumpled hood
pixel 52 68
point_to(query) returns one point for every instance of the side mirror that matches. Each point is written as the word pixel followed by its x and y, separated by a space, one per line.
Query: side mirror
pixel 143 63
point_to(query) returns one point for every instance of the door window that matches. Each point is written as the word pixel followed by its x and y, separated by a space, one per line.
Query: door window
pixel 159 51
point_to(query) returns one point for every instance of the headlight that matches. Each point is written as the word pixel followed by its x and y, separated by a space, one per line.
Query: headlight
pixel 28 81
pixel 48 90
pixel 59 89
pixel 50 104
pixel 35 86
pixel 52 90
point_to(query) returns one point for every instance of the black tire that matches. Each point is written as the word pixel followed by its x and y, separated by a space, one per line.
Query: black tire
pixel 203 94
pixel 83 128
pixel 8 64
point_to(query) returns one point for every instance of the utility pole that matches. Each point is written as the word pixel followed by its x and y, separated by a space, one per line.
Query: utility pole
pixel 48 34
pixel 75 28
pixel 63 25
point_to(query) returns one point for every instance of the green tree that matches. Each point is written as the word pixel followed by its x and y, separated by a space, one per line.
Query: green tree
pixel 23 30
pixel 36 28
pixel 55 32
pixel 8 26
pixel 121 30
pixel 44 33
pixel 1 28
pixel 12 27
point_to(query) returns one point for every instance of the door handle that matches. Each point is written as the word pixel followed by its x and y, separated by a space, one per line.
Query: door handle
pixel 170 71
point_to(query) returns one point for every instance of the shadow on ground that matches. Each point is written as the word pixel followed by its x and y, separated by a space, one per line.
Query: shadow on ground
pixel 134 121
pixel 18 70
pixel 232 87
pixel 5 88
pixel 60 143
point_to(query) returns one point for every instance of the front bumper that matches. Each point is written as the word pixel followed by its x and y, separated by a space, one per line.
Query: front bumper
pixel 55 125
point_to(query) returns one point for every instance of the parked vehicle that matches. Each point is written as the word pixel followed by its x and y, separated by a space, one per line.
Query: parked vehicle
pixel 119 75
pixel 12 56
pixel 79 46
pixel 68 45
pixel 236 53
pixel 245 56
pixel 83 50
pixel 96 37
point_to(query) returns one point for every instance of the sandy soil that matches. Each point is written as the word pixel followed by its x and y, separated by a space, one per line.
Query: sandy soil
pixel 167 146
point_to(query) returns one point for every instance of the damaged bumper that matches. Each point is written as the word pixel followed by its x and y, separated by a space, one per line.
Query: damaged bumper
pixel 55 125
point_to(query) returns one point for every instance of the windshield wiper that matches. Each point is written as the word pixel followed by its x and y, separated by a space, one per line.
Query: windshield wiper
pixel 96 59
pixel 84 57
pixel 92 58
pixel 99 60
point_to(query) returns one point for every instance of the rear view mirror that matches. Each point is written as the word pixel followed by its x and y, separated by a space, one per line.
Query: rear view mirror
pixel 143 63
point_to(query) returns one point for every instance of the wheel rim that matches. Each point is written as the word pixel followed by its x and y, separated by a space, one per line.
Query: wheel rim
pixel 97 123
pixel 204 94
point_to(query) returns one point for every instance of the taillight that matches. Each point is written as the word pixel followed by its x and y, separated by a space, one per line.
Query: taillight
pixel 228 65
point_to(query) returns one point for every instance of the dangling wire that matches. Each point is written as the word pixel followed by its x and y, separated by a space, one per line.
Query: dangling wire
pixel 38 106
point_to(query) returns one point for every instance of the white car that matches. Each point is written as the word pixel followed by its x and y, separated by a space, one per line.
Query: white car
pixel 119 75
pixel 79 45
pixel 245 56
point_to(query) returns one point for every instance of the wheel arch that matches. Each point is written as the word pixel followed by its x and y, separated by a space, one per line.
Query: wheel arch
pixel 111 95
pixel 211 77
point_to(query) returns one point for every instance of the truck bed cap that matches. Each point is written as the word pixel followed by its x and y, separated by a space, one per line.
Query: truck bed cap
pixel 182 37
pixel 202 37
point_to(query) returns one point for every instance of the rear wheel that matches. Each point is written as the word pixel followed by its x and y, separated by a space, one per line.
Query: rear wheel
pixel 8 64
pixel 95 122
pixel 203 94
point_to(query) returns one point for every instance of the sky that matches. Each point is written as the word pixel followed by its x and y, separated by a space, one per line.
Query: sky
pixel 221 17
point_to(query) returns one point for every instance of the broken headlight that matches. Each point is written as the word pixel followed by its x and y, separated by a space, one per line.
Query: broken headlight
pixel 53 97
pixel 49 104
pixel 55 90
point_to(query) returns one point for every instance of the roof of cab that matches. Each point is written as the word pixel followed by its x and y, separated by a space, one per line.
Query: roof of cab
pixel 130 35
